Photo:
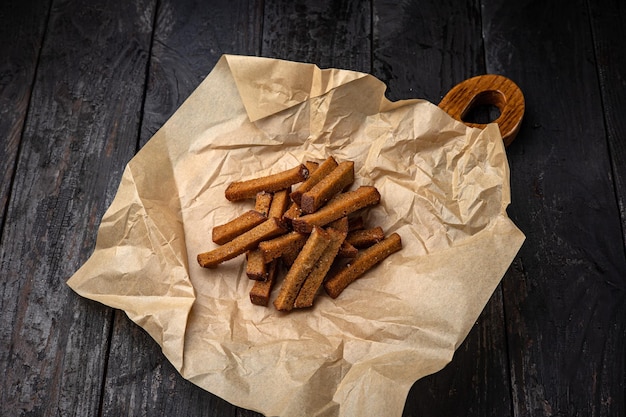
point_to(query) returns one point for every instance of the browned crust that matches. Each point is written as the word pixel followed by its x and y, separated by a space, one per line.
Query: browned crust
pixel 304 263
pixel 311 166
pixel 322 170
pixel 314 280
pixel 362 263
pixel 366 237
pixel 340 206
pixel 356 223
pixel 255 265
pixel 228 231
pixel 249 240
pixel 261 290
pixel 279 205
pixel 240 190
pixel 289 257
pixel 262 202
pixel 347 250
pixel 340 224
pixel 293 212
pixel 275 248
pixel 328 187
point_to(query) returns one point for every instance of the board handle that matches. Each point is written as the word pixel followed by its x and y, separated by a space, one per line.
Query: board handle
pixel 489 89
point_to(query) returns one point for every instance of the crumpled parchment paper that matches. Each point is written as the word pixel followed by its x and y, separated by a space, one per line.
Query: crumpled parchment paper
pixel 444 188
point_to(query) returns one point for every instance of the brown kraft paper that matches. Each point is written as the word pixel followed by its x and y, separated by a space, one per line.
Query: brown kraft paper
pixel 444 189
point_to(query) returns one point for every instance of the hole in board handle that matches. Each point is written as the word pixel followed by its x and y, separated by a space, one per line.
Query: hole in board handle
pixel 485 108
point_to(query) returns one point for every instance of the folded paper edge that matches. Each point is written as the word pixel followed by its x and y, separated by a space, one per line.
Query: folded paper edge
pixel 86 280
pixel 290 90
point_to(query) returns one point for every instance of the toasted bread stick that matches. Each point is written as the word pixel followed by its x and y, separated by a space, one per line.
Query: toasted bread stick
pixel 249 240
pixel 347 250
pixel 240 190
pixel 261 290
pixel 276 247
pixel 288 258
pixel 311 166
pixel 304 263
pixel 366 237
pixel 328 187
pixel 262 202
pixel 241 224
pixel 293 212
pixel 314 280
pixel 322 170
pixel 279 205
pixel 356 223
pixel 340 224
pixel 362 263
pixel 340 206
pixel 255 265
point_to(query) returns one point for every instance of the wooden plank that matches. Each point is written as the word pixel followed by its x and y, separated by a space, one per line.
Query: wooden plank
pixel 80 131
pixel 564 300
pixel 327 33
pixel 22 26
pixel 476 381
pixel 189 38
pixel 422 50
pixel 607 24
pixel 140 381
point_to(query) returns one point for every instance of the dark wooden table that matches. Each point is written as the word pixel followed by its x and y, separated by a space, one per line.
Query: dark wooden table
pixel 84 84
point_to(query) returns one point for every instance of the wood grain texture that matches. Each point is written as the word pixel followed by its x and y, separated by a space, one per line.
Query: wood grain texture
pixel 327 33
pixel 80 131
pixel 564 300
pixel 141 381
pixel 487 90
pixel 22 26
pixel 421 49
pixel 607 25
pixel 189 38
pixel 476 382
